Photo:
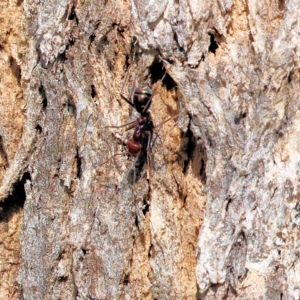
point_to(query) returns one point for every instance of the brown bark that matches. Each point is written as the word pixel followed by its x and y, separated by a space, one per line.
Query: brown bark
pixel 12 105
pixel 230 160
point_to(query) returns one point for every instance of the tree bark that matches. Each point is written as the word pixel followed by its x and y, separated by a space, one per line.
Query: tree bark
pixel 210 211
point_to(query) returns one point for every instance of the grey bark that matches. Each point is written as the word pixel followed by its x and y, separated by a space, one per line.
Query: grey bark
pixel 232 73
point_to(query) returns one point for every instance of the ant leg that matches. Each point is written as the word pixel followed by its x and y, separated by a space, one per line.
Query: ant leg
pixel 147 104
pixel 171 118
pixel 130 125
pixel 122 89
pixel 133 125
pixel 129 102
pixel 150 99
pixel 112 157
pixel 165 74
pixel 134 176
pixel 149 139
pixel 158 127
pixel 148 150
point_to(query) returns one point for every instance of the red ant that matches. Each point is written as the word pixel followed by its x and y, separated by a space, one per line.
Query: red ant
pixel 142 98
pixel 140 142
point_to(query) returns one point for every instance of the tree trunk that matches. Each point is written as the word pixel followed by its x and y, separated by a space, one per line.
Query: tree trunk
pixel 210 210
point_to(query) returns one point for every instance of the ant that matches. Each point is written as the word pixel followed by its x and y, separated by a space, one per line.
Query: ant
pixel 140 142
pixel 143 126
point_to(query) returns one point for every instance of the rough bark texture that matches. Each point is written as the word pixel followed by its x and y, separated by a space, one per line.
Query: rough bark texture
pixel 12 117
pixel 214 213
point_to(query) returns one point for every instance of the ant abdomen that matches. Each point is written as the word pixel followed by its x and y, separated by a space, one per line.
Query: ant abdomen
pixel 143 130
pixel 134 147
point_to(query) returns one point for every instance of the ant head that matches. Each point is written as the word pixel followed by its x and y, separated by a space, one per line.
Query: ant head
pixel 142 97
